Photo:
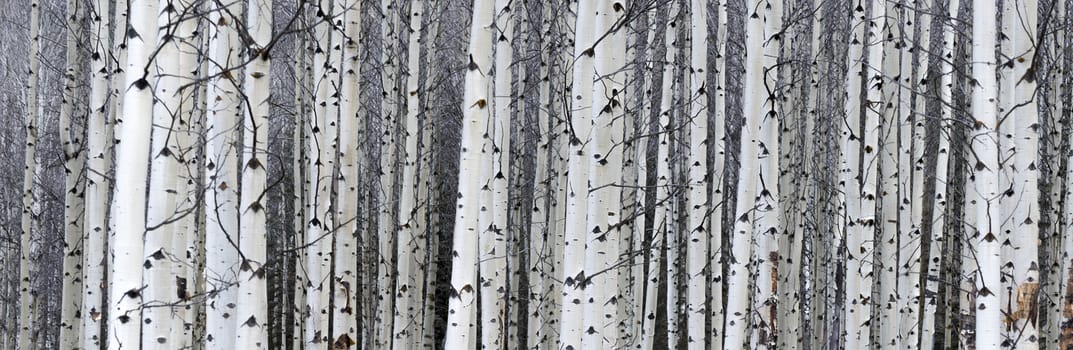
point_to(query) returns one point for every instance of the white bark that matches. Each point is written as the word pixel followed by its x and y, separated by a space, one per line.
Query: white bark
pixel 767 221
pixel 1026 214
pixel 386 225
pixel 942 163
pixel 579 127
pixel 251 312
pixel 98 166
pixel 913 269
pixel 849 179
pixel 885 259
pixel 754 103
pixel 319 169
pixel 348 184
pixel 74 171
pixel 493 176
pixel 604 155
pixel 986 241
pixel 462 313
pixel 717 309
pixel 411 246
pixel 540 264
pixel 128 223
pixel 164 249
pixel 221 179
pixel 27 313
pixel 697 248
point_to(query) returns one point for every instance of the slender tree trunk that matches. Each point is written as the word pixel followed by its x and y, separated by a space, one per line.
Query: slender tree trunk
pixel 462 313
pixel 319 169
pixel 251 312
pixel 604 173
pixel 26 292
pixel 579 127
pixel 767 221
pixel 221 186
pixel 717 307
pixel 98 166
pixel 411 246
pixel 386 225
pixel 697 248
pixel 1024 301
pixel 540 265
pixel 754 101
pixel 71 142
pixel 347 290
pixel 986 241
pixel 128 223
pixel 885 259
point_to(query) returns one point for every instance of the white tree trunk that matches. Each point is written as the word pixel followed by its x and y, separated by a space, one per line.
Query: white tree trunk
pixel 411 246
pixel 942 163
pixel 251 312
pixel 885 258
pixel 697 248
pixel 604 155
pixel 986 240
pixel 164 248
pixel 26 292
pixel 540 264
pixel 349 182
pixel 128 223
pixel 767 221
pixel 74 188
pixel 221 179
pixel 462 313
pixel 717 309
pixel 754 100
pixel 1026 214
pixel 579 126
pixel 913 266
pixel 389 56
pixel 319 169
pixel 494 173
pixel 98 166
pixel 850 181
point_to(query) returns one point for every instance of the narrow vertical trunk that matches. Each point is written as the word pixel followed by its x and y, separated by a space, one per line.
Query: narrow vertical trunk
pixel 26 293
pixel 697 248
pixel 302 99
pixel 251 312
pixel 164 249
pixel 754 100
pixel 849 179
pixel 985 141
pixel 579 126
pixel 98 166
pixel 939 240
pixel 221 179
pixel 462 300
pixel 717 308
pixel 71 142
pixel 885 259
pixel 411 246
pixel 1025 238
pixel 662 223
pixel 540 265
pixel 494 174
pixel 604 173
pixel 915 265
pixel 128 224
pixel 346 291
pixel 386 225
pixel 319 170
pixel 767 221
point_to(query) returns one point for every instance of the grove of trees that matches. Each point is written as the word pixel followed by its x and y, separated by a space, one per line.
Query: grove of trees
pixel 536 174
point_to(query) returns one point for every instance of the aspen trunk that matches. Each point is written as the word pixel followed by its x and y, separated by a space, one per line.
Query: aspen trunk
pixel 386 224
pixel 26 291
pixel 717 308
pixel 251 312
pixel 74 161
pixel 462 313
pixel 697 248
pixel 98 166
pixel 128 224
pixel 349 182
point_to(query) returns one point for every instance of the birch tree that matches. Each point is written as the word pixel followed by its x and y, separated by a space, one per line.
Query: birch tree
pixel 26 292
pixel 71 141
pixel 986 240
pixel 462 312
pixel 698 177
pixel 346 291
pixel 128 224
pixel 221 169
pixel 98 165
